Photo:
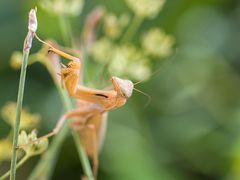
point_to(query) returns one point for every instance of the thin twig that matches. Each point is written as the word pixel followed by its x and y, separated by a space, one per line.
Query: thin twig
pixel 19 164
pixel 32 27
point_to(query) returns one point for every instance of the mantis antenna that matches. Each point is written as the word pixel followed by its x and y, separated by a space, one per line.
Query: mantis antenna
pixel 155 72
pixel 40 40
pixel 145 94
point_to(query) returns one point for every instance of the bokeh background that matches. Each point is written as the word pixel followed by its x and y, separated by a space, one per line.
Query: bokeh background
pixel 191 128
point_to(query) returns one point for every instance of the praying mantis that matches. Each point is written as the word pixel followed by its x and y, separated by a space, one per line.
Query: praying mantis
pixel 89 117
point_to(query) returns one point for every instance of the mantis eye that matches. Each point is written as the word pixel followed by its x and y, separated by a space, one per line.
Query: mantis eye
pixel 74 64
pixel 126 86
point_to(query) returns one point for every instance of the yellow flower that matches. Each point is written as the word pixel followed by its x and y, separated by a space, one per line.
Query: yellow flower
pixel 139 70
pixel 128 61
pixel 5 149
pixel 113 25
pixel 28 120
pixel 121 58
pixel 101 50
pixel 119 61
pixel 156 43
pixel 60 7
pixel 145 8
pixel 30 144
pixel 16 60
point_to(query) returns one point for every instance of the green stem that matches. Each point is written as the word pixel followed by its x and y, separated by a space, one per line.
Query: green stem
pixel 136 22
pixel 26 49
pixel 83 157
pixel 19 164
pixel 66 29
pixel 18 114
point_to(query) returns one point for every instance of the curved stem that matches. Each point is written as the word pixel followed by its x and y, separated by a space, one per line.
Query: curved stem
pixel 136 22
pixel 83 156
pixel 19 164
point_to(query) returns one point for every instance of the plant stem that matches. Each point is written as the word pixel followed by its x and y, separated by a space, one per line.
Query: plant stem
pixel 66 29
pixel 83 156
pixel 32 27
pixel 18 114
pixel 136 22
pixel 19 164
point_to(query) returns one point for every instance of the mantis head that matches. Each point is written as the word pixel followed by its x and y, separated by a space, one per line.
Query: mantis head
pixel 74 65
pixel 123 86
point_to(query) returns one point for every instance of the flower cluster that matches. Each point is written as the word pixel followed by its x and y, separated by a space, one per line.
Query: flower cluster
pixel 31 144
pixel 5 149
pixel 123 58
pixel 62 7
pixel 157 43
pixel 113 25
pixel 145 8
pixel 28 120
pixel 128 60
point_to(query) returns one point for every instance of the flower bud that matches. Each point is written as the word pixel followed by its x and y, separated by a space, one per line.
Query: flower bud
pixel 30 144
pixel 16 60
pixel 5 149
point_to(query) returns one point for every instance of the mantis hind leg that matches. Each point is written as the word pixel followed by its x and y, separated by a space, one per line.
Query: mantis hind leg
pixel 91 137
pixel 82 113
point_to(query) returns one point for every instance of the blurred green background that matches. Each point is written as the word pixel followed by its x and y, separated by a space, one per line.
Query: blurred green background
pixel 191 128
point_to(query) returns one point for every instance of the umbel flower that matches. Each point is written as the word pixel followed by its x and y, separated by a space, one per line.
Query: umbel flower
pixel 124 60
pixel 28 120
pixel 101 50
pixel 5 149
pixel 30 144
pixel 128 61
pixel 157 43
pixel 145 8
pixel 59 7
pixel 113 25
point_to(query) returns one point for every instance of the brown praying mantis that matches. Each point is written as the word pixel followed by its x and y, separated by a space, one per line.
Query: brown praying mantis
pixel 89 118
